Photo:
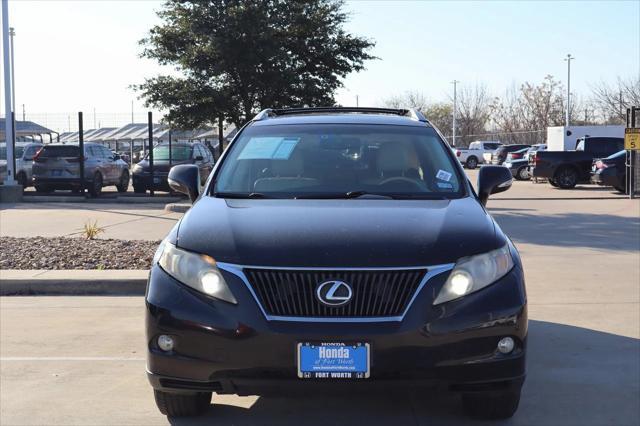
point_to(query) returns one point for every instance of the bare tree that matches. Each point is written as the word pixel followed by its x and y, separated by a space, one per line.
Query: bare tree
pixel 523 115
pixel 612 100
pixel 438 113
pixel 473 113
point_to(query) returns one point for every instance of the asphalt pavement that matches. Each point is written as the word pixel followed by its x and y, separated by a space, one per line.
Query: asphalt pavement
pixel 80 360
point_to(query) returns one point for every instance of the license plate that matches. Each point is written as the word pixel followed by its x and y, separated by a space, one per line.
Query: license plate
pixel 56 173
pixel 333 360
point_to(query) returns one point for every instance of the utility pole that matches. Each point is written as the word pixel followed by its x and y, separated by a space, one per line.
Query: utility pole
pixel 131 112
pixel 24 115
pixel 357 101
pixel 12 32
pixel 455 106
pixel 567 115
pixel 9 179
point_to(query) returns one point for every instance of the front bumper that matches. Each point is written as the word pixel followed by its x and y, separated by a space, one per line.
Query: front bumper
pixel 158 182
pixel 234 349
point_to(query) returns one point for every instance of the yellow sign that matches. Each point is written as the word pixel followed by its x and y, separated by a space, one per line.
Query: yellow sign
pixel 632 139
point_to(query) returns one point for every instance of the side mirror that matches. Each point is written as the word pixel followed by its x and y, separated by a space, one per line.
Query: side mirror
pixel 493 180
pixel 185 178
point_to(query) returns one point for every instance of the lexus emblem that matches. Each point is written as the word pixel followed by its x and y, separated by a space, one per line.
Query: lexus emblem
pixel 334 293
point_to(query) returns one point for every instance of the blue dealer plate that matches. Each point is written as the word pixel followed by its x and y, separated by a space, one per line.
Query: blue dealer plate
pixel 333 360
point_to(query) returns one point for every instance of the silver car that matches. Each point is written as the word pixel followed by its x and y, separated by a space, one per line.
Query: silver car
pixel 24 152
pixel 57 166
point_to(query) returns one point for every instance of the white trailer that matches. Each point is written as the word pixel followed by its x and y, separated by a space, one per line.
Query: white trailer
pixel 563 138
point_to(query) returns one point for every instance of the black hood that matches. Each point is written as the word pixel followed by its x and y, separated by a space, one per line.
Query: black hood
pixel 338 233
pixel 161 165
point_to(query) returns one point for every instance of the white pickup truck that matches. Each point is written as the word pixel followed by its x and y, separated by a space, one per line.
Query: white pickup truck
pixel 477 153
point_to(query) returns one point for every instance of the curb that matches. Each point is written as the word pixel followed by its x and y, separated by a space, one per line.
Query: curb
pixel 73 282
pixel 177 207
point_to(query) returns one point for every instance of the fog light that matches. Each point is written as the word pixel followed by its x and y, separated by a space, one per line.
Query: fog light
pixel 165 343
pixel 506 345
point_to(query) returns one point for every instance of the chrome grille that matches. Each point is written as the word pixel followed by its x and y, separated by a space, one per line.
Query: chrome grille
pixel 376 293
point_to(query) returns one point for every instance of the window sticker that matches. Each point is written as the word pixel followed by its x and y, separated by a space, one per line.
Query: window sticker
pixel 445 185
pixel 442 175
pixel 268 148
pixel 283 152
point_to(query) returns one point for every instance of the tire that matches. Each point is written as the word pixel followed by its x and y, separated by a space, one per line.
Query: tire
pixel 566 178
pixel 96 185
pixel 44 189
pixel 22 179
pixel 620 189
pixel 489 406
pixel 523 173
pixel 182 405
pixel 139 189
pixel 123 184
pixel 472 162
pixel 553 183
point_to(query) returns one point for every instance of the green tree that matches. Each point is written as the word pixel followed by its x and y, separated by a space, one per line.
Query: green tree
pixel 235 57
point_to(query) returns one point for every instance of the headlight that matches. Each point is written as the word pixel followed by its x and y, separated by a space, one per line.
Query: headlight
pixel 198 271
pixel 473 273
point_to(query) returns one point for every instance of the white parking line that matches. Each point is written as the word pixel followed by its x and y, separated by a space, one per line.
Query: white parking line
pixel 68 358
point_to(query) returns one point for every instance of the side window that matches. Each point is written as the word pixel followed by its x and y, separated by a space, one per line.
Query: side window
pixel 197 152
pixel 107 153
pixel 31 151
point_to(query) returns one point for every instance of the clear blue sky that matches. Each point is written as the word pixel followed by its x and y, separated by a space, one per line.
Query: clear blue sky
pixel 83 54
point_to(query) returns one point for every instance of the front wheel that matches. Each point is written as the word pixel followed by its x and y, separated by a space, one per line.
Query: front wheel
pixel 182 405
pixel 495 405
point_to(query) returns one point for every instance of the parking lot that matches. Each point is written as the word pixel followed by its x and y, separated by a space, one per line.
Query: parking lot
pixel 80 360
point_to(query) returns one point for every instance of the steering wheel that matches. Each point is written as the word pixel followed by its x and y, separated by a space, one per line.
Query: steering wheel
pixel 404 180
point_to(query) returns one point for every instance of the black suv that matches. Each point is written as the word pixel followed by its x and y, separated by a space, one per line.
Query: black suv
pixel 164 158
pixel 337 249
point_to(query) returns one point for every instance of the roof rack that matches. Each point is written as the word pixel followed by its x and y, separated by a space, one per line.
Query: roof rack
pixel 412 112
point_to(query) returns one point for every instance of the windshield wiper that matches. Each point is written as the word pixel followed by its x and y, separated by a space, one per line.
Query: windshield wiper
pixel 343 195
pixel 239 195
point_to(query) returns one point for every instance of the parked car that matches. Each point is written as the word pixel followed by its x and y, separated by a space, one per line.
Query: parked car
pixel 337 248
pixel 535 148
pixel 476 152
pixel 566 169
pixel 611 171
pixel 24 152
pixel 518 164
pixel 57 166
pixel 181 153
pixel 500 154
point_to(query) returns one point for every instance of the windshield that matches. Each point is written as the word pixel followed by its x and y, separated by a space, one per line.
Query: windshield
pixel 178 153
pixel 338 161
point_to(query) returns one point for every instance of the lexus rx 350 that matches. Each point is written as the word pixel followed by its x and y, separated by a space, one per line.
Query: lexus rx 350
pixel 337 249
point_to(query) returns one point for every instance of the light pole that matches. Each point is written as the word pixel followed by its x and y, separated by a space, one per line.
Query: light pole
pixel 9 181
pixel 12 32
pixel 455 103
pixel 567 117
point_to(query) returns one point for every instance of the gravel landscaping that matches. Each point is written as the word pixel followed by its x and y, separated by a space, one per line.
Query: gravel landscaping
pixel 75 253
